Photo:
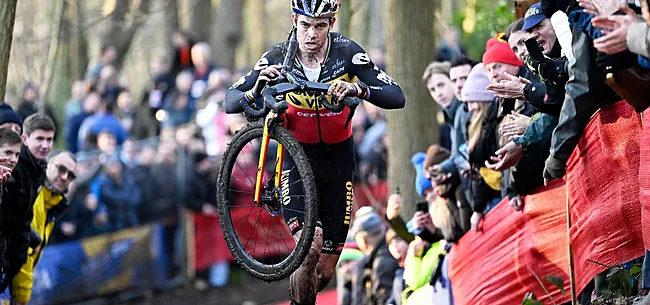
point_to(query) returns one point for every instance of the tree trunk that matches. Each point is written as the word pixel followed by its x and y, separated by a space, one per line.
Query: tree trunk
pixel 344 18
pixel 55 37
pixel 200 15
pixel 257 35
pixel 7 16
pixel 227 32
pixel 79 43
pixel 172 25
pixel 123 24
pixel 414 128
pixel 376 11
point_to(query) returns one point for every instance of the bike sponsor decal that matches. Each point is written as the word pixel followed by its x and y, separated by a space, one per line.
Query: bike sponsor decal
pixel 284 181
pixel 349 196
pixel 361 59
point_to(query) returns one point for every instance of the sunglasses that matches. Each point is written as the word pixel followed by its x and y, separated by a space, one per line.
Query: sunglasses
pixel 64 170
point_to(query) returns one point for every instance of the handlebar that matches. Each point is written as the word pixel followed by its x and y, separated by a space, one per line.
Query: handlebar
pixel 272 104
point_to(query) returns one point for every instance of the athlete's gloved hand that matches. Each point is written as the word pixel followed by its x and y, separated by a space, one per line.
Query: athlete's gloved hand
pixel 342 89
pixel 267 75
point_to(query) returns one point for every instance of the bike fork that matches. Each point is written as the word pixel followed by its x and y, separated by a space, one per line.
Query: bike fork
pixel 266 138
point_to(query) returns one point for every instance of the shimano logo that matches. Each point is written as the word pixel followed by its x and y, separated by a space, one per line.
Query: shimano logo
pixel 349 196
pixel 284 181
pixel 321 114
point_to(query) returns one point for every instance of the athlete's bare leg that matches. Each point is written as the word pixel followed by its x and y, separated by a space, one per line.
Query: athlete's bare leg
pixel 304 281
pixel 325 269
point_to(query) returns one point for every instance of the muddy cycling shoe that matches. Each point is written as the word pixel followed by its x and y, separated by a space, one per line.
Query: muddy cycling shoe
pixel 554 168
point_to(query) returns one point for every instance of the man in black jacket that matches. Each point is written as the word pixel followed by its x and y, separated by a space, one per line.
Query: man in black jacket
pixel 373 284
pixel 20 192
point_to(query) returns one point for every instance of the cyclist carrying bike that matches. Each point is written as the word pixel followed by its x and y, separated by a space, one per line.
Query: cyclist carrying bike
pixel 324 57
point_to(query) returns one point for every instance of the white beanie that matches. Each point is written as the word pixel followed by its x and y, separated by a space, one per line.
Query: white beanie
pixel 474 89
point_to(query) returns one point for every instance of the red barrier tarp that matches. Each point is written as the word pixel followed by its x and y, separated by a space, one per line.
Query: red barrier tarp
pixel 492 266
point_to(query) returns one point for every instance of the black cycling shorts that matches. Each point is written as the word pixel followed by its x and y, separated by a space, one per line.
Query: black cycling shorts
pixel 333 166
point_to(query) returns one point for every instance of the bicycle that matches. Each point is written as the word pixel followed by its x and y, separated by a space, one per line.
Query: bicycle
pixel 268 197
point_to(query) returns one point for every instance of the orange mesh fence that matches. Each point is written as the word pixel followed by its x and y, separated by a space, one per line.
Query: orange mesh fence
pixel 498 264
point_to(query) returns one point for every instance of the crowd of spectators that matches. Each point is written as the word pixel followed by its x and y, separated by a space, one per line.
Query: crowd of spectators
pixel 513 118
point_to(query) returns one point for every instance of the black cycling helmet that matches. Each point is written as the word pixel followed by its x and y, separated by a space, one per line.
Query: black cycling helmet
pixel 315 8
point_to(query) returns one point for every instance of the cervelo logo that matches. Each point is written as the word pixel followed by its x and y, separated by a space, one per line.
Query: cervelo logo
pixel 320 114
pixel 349 196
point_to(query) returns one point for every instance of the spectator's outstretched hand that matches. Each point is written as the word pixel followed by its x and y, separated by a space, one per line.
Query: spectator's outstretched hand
pixel 511 88
pixel 615 30
pixel 516 127
pixel 589 6
pixel 475 221
pixel 393 206
pixel 517 203
pixel 506 157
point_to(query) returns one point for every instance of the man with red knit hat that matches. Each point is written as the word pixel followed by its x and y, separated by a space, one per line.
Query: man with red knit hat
pixel 503 67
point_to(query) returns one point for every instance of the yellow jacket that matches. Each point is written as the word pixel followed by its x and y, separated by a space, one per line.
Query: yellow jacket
pixel 47 208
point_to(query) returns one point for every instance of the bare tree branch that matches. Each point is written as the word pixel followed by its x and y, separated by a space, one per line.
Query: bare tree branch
pixel 7 17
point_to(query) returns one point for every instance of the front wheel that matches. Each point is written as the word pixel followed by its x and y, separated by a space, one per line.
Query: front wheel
pixel 246 223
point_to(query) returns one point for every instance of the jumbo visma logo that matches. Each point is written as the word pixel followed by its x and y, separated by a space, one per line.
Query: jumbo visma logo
pixel 284 181
pixel 349 197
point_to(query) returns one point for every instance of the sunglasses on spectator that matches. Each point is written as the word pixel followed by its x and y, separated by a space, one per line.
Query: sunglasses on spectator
pixel 64 170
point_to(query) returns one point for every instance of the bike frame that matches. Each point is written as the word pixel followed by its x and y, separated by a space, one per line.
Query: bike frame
pixel 270 119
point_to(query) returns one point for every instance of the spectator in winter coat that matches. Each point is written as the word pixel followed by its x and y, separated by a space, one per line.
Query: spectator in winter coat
pixel 376 271
pixel 107 55
pixel 482 141
pixel 31 101
pixel 103 119
pixel 121 195
pixel 201 70
pixel 49 206
pixel 74 105
pixel 177 103
pixel 73 132
pixel 19 194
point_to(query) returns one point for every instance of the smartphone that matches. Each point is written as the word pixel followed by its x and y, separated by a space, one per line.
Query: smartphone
pixel 535 51
pixel 422 206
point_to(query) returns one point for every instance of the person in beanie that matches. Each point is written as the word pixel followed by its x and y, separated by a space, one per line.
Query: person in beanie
pixel 482 143
pixel 9 118
pixel 376 271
